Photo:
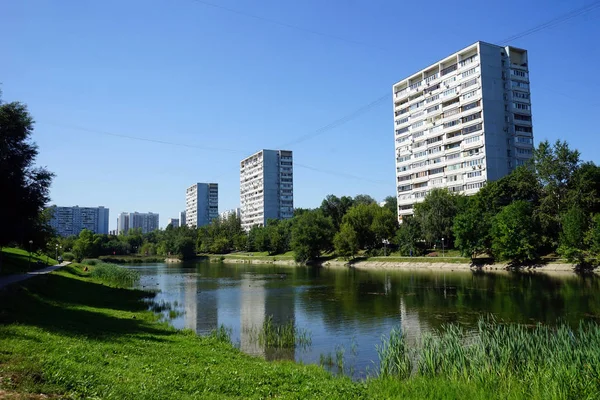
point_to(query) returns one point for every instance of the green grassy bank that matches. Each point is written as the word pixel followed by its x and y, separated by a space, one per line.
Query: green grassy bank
pixel 132 259
pixel 75 334
pixel 15 261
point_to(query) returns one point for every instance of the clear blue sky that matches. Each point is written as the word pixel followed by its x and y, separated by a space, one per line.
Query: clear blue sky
pixel 181 71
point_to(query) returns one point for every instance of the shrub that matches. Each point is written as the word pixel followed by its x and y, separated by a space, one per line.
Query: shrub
pixel 68 256
pixel 90 261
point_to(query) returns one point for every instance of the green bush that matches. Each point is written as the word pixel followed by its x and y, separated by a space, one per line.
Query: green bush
pixel 67 256
pixel 90 261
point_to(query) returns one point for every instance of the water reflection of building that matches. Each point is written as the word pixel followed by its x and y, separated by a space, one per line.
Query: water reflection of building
pixel 252 314
pixel 280 305
pixel 201 307
pixel 257 304
pixel 411 325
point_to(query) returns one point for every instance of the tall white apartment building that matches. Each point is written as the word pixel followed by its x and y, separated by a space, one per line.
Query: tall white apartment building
pixel 266 187
pixel 69 221
pixel 182 221
pixel 148 222
pixel 461 122
pixel 227 213
pixel 201 204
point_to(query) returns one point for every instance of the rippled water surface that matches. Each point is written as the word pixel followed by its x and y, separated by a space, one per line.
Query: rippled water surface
pixel 348 311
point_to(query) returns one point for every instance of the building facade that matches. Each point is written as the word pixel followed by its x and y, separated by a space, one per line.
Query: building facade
pixel 201 204
pixel 123 223
pixel 148 222
pixel 462 121
pixel 234 211
pixel 266 187
pixel 174 222
pixel 182 219
pixel 68 221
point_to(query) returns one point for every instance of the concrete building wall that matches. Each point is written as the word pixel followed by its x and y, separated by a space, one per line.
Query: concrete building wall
pixel 69 221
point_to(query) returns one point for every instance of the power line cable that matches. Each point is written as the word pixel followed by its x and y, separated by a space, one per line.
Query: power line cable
pixel 288 25
pixel 553 22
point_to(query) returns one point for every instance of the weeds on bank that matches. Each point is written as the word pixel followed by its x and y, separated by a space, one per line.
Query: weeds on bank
pixel 114 275
pixel 559 362
pixel 279 336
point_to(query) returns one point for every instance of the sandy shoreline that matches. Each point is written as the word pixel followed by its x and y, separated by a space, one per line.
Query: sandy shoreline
pixel 557 268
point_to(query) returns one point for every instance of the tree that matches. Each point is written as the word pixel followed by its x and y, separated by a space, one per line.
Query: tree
pixel 515 233
pixel 584 188
pixel 85 246
pixel 364 199
pixel 471 230
pixel 345 241
pixel 436 215
pixel 574 225
pixel 408 237
pixel 360 217
pixel 555 166
pixel 24 187
pixel 384 224
pixel 336 208
pixel 593 237
pixel 312 233
pixel 391 203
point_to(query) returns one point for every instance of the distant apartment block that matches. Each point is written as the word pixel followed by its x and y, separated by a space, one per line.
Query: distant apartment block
pixel 227 213
pixel 147 222
pixel 68 221
pixel 461 122
pixel 174 222
pixel 182 219
pixel 201 204
pixel 123 223
pixel 266 187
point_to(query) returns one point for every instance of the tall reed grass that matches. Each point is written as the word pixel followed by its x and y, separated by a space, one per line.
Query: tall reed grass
pixel 115 275
pixel 558 361
pixel 279 336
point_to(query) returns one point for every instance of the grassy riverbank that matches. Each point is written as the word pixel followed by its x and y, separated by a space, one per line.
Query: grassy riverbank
pixel 15 261
pixel 75 334
pixel 132 259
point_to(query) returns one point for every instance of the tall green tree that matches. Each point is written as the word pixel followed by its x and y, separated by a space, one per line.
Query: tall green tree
pixel 391 203
pixel 574 226
pixel 86 245
pixel 408 237
pixel 436 215
pixel 336 208
pixel 345 242
pixel 364 199
pixel 24 187
pixel 472 231
pixel 515 235
pixel 312 234
pixel 384 224
pixel 360 217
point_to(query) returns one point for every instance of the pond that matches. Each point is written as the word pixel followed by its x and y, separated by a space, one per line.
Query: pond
pixel 346 312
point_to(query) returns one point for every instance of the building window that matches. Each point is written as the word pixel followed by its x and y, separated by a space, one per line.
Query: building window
pixel 418 134
pixel 420 185
pixel 435 139
pixel 420 195
pixel 524 151
pixel 449 113
pixel 469 106
pixel 403 158
pixel 522 106
pixel 524 140
pixel 469 95
pixel 473 163
pixel 432 98
pixel 521 95
pixel 469 83
pixel 420 154
pixel 434 150
pixel 448 92
pixel 469 72
pixel 404 188
pixel 417 124
pixel 477 185
pixel 454 167
pixel 404 178
pixel 526 129
pixel 520 117
pixel 453 178
pixel 449 69
pixel 471 129
pixel 474 174
pixel 401 131
pixel 433 108
pixel 471 117
pixel 448 81
pixel 452 156
pixel 522 85
pixel 436 160
pixel 415 85
pixel 419 164
pixel 452 123
pixel 452 146
pixel 517 72
pixel 437 181
pixel 421 174
pixel 431 77
pixel 468 61
pixel 436 171
pixel 401 121
pixel 472 139
pixel 419 144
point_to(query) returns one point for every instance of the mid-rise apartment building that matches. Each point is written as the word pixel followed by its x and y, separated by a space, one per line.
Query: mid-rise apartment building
pixel 462 121
pixel 147 222
pixel 174 222
pixel 266 187
pixel 201 204
pixel 68 221
pixel 234 211
pixel 182 219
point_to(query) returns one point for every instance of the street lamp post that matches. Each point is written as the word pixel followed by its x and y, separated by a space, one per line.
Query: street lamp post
pixel 443 253
pixel 30 244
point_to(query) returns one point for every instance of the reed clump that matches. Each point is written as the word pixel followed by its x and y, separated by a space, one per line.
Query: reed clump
pixel 559 361
pixel 115 275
